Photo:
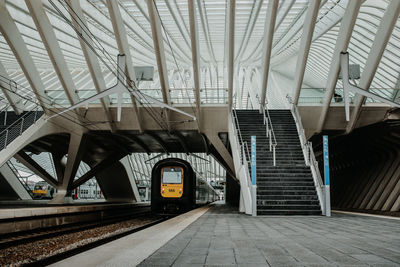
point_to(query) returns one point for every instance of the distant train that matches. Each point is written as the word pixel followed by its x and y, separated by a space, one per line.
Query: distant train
pixel 176 188
pixel 87 191
pixel 43 190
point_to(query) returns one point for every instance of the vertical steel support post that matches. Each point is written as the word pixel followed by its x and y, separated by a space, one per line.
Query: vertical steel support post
pixel 22 126
pixel 270 140
pixel 253 176
pixel 5 139
pixel 273 147
pixel 326 175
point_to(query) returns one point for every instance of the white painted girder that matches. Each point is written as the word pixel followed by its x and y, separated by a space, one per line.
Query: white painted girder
pixel 7 88
pixel 49 39
pixel 194 41
pixel 378 47
pixel 123 47
pixel 231 49
pixel 159 50
pixel 342 42
pixel 92 61
pixel 10 32
pixel 308 30
pixel 268 35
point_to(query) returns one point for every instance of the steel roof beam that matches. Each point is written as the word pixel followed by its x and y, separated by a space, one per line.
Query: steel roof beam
pixel 123 48
pixel 7 87
pixel 32 165
pixel 231 49
pixel 378 47
pixel 92 61
pixel 160 54
pixel 194 38
pixel 305 43
pixel 342 42
pixel 10 32
pixel 268 38
pixel 49 39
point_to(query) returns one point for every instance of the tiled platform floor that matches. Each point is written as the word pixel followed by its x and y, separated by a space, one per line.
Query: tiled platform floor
pixel 224 237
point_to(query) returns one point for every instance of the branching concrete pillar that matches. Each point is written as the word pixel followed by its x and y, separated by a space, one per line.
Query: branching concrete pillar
pixel 76 150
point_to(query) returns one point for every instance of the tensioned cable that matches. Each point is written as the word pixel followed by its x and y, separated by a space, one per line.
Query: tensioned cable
pixel 150 110
pixel 108 56
pixel 176 64
pixel 47 101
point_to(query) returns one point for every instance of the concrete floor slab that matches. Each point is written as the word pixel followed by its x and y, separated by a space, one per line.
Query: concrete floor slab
pixel 222 237
pixel 133 249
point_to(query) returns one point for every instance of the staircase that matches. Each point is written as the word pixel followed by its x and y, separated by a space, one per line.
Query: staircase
pixel 288 188
pixel 12 125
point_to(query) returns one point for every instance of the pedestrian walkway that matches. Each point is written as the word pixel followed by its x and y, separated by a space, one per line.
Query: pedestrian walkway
pixel 223 237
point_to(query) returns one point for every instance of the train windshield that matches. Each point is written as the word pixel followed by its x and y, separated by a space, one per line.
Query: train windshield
pixel 39 187
pixel 172 175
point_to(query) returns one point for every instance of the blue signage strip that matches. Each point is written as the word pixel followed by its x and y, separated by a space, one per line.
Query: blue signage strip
pixel 326 159
pixel 253 160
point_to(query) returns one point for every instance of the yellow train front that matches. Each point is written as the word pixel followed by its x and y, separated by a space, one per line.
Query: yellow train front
pixel 175 187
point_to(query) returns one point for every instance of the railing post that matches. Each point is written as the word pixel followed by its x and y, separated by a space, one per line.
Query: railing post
pixel 5 139
pixel 22 126
pixel 34 118
pixel 267 127
pixel 270 140
pixel 274 154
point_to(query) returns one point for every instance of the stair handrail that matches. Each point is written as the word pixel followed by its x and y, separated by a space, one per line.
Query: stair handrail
pixel 244 148
pixel 20 178
pixel 242 144
pixel 269 129
pixel 21 120
pixel 309 156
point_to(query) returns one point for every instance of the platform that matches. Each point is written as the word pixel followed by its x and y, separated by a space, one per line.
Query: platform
pixel 10 211
pixel 18 218
pixel 223 237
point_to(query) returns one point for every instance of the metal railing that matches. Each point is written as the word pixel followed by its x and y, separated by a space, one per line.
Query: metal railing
pixel 244 148
pixel 309 156
pixel 18 127
pixel 317 95
pixel 269 129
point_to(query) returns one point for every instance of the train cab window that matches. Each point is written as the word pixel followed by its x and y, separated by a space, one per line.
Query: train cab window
pixel 171 175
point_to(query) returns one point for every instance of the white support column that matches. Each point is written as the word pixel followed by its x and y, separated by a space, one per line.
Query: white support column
pixel 123 48
pixel 342 42
pixel 269 29
pixel 378 47
pixel 9 176
pixel 10 32
pixel 7 88
pixel 159 50
pixel 79 21
pixel 129 171
pixel 254 82
pixel 231 50
pixel 76 150
pixel 305 42
pixel 50 41
pixel 194 38
pixel 160 54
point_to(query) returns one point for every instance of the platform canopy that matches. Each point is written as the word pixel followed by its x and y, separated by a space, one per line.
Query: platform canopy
pixel 57 52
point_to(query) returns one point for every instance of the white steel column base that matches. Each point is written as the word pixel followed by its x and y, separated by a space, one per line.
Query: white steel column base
pixel 254 200
pixel 327 201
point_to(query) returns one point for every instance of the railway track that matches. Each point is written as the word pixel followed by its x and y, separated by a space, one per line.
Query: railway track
pixel 16 238
pixel 46 246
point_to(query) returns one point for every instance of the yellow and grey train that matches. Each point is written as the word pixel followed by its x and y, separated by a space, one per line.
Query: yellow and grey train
pixel 175 187
pixel 43 190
